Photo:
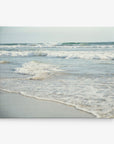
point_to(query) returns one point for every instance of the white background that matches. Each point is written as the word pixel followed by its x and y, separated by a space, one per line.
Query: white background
pixel 56 13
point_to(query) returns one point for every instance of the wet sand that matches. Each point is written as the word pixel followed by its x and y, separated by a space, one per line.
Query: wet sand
pixel 17 106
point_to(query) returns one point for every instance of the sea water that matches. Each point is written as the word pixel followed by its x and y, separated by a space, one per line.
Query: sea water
pixel 77 74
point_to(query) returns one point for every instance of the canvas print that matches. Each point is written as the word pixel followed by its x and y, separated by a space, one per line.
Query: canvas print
pixel 57 72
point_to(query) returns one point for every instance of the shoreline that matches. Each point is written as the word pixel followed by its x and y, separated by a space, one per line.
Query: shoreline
pixel 13 105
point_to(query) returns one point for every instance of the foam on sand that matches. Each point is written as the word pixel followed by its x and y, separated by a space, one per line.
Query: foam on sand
pixel 4 62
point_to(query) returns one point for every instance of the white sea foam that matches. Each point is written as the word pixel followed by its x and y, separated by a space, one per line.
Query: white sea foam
pixel 101 55
pixel 37 70
pixel 19 53
pixel 9 46
pixel 82 54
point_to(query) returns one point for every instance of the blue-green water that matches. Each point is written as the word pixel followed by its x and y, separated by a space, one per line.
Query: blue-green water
pixel 79 74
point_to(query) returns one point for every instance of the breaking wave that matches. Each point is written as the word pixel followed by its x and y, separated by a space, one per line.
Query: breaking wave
pixel 37 70
pixel 22 53
pixel 101 55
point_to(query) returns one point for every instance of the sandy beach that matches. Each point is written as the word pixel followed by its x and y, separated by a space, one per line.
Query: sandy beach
pixel 18 106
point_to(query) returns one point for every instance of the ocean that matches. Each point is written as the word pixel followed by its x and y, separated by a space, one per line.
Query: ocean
pixel 76 74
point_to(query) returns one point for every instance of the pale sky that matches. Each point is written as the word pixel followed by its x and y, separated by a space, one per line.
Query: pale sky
pixel 56 34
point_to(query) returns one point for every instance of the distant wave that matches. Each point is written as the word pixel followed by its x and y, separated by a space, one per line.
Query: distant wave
pixel 86 43
pixel 18 45
pixel 21 43
pixel 100 55
pixel 57 44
